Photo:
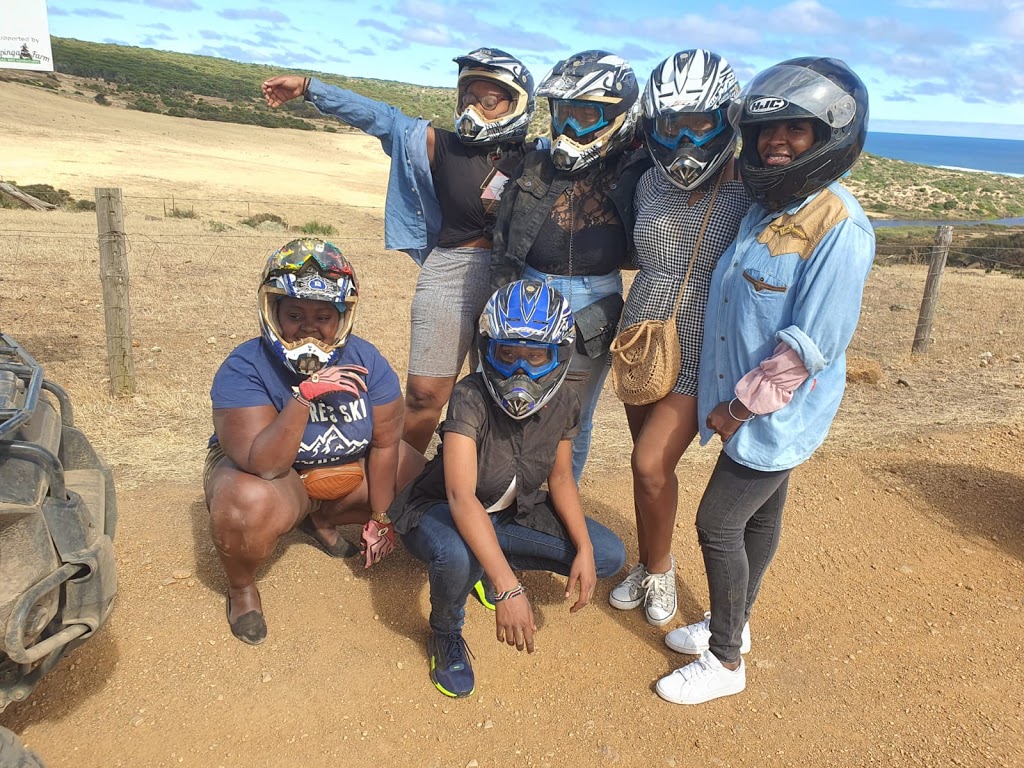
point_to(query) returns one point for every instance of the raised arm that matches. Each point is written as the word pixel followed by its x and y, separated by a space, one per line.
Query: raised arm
pixel 373 117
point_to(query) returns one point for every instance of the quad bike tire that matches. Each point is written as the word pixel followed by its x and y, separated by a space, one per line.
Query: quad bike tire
pixel 13 753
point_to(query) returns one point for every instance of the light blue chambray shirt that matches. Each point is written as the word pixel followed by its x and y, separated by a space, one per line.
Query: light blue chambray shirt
pixel 802 286
pixel 412 214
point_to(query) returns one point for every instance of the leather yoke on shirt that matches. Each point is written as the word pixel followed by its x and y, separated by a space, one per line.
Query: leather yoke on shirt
pixel 802 231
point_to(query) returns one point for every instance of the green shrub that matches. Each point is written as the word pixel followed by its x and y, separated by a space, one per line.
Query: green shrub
pixel 181 213
pixel 259 218
pixel 47 193
pixel 83 205
pixel 217 226
pixel 317 228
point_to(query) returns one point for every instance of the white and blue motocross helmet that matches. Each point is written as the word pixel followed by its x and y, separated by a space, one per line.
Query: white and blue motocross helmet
pixel 526 340
pixel 315 270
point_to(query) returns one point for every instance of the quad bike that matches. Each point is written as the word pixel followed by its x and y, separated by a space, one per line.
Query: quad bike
pixel 58 512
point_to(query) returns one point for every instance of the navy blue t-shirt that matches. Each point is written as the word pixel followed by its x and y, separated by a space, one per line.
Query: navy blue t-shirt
pixel 340 425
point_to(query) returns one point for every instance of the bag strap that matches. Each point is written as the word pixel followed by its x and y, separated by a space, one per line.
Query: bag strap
pixel 696 248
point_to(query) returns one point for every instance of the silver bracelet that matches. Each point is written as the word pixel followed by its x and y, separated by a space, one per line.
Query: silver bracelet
pixel 751 417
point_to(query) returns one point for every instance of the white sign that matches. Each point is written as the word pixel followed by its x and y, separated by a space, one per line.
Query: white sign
pixel 25 35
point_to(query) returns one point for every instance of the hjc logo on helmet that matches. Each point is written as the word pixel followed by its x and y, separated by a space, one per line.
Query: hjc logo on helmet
pixel 765 105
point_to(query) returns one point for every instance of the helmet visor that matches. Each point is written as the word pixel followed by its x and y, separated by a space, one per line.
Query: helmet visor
pixel 784 86
pixel 535 359
pixel 583 116
pixel 670 130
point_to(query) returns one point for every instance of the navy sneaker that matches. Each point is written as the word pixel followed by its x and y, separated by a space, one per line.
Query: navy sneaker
pixel 450 670
pixel 484 592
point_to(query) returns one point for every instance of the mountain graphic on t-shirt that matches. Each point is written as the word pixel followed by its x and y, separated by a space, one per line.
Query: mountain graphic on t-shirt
pixel 333 443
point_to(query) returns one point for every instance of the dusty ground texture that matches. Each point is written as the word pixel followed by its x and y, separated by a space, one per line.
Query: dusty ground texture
pixel 888 632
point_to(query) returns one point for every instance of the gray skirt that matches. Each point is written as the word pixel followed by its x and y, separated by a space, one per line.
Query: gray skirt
pixel 451 292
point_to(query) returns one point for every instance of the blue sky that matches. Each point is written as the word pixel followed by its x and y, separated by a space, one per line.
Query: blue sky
pixel 931 66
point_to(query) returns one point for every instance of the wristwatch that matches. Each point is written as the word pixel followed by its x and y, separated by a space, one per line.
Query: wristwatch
pixel 380 517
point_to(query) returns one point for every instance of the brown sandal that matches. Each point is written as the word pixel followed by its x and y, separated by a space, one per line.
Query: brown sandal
pixel 342 547
pixel 250 627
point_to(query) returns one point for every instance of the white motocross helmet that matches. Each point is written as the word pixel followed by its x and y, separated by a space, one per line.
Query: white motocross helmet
pixel 685 121
pixel 505 70
pixel 594 108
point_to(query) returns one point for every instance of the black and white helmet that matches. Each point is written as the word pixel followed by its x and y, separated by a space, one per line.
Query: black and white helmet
pixel 505 70
pixel 826 92
pixel 594 108
pixel 686 116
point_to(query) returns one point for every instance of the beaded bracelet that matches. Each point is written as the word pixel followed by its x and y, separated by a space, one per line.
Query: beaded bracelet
pixel 519 590
pixel 298 396
pixel 751 417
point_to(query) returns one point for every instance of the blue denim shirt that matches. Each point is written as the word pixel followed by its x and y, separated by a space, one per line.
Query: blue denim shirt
pixel 412 215
pixel 795 276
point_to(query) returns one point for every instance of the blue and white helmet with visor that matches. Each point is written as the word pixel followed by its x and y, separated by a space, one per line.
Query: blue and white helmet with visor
pixel 685 116
pixel 526 340
pixel 314 270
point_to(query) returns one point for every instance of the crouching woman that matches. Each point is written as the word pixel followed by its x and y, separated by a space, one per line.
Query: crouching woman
pixel 478 507
pixel 308 426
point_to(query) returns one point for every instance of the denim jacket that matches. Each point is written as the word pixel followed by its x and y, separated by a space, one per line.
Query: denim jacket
pixel 412 215
pixel 529 196
pixel 795 276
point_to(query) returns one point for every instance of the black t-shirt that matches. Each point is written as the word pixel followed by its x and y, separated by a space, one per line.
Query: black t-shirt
pixel 468 179
pixel 583 225
pixel 505 448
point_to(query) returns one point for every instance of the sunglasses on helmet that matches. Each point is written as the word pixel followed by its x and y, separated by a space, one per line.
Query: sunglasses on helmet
pixel 698 127
pixel 330 262
pixel 535 359
pixel 583 116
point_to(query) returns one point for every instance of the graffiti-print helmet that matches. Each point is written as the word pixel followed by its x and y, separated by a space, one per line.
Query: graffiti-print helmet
pixel 685 116
pixel 594 107
pixel 315 270
pixel 826 92
pixel 506 71
pixel 526 342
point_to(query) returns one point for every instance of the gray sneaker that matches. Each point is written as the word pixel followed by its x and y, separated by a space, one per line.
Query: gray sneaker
pixel 660 600
pixel 630 592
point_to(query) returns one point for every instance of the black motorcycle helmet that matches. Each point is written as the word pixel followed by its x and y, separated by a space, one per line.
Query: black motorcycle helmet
pixel 825 91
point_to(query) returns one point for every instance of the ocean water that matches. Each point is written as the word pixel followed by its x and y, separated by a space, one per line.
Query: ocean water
pixel 994 155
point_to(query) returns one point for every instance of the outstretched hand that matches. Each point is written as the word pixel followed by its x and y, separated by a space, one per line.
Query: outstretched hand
pixel 337 378
pixel 278 90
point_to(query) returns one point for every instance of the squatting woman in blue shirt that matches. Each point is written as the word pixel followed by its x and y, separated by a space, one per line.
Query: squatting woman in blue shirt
pixel 783 305
pixel 308 427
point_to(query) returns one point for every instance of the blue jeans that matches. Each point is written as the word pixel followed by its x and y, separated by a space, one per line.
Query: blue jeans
pixel 586 374
pixel 739 522
pixel 453 568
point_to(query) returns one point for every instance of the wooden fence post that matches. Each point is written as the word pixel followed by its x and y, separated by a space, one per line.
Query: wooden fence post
pixel 114 277
pixel 937 263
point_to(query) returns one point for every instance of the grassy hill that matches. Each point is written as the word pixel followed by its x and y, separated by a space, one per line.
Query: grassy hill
pixel 208 88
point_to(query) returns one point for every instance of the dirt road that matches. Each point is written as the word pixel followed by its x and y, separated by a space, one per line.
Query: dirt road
pixel 889 630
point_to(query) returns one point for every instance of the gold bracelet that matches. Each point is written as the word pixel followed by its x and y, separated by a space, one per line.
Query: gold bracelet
pixel 380 517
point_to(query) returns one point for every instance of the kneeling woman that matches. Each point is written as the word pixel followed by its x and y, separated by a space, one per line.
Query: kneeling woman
pixel 478 506
pixel 308 427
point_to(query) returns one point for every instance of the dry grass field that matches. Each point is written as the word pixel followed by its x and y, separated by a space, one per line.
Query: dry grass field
pixel 889 631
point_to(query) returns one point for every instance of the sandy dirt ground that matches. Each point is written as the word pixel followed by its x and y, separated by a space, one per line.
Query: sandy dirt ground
pixel 888 633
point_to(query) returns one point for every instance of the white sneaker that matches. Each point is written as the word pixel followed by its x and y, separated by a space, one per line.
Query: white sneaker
pixel 660 600
pixel 630 591
pixel 703 680
pixel 695 638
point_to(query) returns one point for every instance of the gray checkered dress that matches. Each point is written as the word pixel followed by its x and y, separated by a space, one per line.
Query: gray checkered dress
pixel 665 235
